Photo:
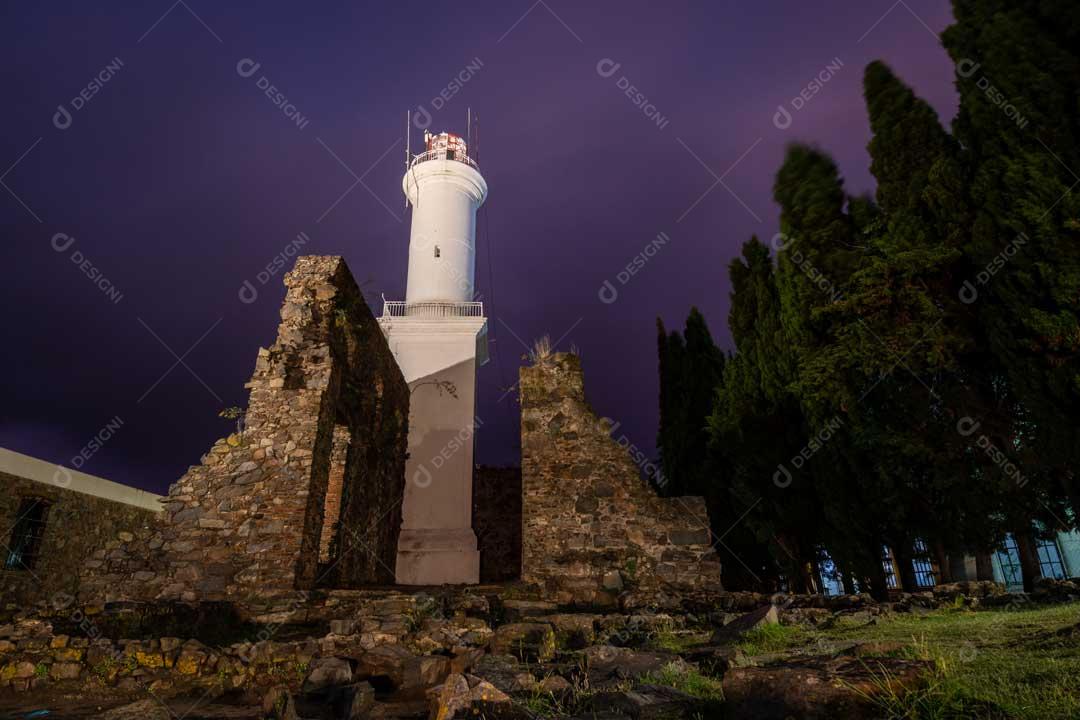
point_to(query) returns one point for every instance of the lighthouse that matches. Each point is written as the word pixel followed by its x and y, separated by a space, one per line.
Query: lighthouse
pixel 438 335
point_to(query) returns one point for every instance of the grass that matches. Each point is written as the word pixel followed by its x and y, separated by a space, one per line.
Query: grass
pixel 677 642
pixel 771 638
pixel 989 664
pixel 690 682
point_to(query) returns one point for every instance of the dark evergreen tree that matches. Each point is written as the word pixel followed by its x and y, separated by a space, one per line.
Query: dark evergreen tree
pixel 1018 73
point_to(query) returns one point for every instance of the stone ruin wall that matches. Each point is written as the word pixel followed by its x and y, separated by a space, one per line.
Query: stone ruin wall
pixel 62 549
pixel 249 520
pixel 592 527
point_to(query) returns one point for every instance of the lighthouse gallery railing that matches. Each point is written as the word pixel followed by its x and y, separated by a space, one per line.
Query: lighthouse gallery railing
pixel 397 308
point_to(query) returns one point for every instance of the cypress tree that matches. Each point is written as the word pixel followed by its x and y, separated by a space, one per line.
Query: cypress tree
pixel 1018 73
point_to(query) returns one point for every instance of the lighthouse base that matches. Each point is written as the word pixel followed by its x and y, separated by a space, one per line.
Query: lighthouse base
pixel 437 557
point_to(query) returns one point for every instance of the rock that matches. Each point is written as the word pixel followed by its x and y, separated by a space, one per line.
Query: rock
pixel 459 697
pixel 714 660
pixel 502 671
pixel 168 644
pixel 533 642
pixel 149 709
pixel 433 669
pixel 818 688
pixel 449 698
pixel 573 631
pixel 735 629
pixel 344 702
pixel 390 664
pixel 354 701
pixel 605 663
pixel 65 670
pixel 278 704
pixel 517 610
pixel 464 660
pixel 189 660
pixel 612 581
pixel 556 685
pixel 649 702
pixel 326 672
pixel 523 683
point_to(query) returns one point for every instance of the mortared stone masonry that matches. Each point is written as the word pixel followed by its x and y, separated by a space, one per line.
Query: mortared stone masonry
pixel 253 518
pixel 591 526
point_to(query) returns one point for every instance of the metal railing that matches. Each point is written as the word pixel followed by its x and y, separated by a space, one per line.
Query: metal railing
pixel 397 308
pixel 442 154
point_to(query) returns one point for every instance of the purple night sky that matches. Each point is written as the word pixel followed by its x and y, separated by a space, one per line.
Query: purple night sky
pixel 179 179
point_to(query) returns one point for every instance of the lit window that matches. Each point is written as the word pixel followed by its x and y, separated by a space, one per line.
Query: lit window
pixel 1009 560
pixel 1050 563
pixel 924 569
pixel 26 534
pixel 832 582
pixel 889 566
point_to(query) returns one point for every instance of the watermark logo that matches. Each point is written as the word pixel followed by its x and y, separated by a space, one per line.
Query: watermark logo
pixel 783 118
pixel 968 68
pixel 248 293
pixel 247 68
pixel 97 442
pixel 62 242
pixel 818 278
pixel 62 477
pixel 645 465
pixel 967 427
pixel 63 117
pixel 608 292
pixel 783 477
pixel 606 68
pixel 422 476
pixel 969 293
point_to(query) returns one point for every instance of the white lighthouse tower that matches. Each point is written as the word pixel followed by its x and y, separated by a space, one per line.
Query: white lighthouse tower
pixel 439 337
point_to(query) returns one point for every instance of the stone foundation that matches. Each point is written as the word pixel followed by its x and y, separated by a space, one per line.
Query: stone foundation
pixel 252 518
pixel 592 527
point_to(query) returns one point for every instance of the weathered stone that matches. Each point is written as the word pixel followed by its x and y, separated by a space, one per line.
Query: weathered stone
pixel 65 670
pixel 459 698
pixel 612 581
pixel 820 688
pixel 556 685
pixel 433 669
pixel 260 520
pixel 279 704
pixel 353 702
pixel 767 615
pixel 502 671
pixel 591 525
pixel 572 631
pixel 605 663
pixel 534 642
pixel 149 709
pixel 517 610
pixel 328 671
pixel 391 664
pixel 652 702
